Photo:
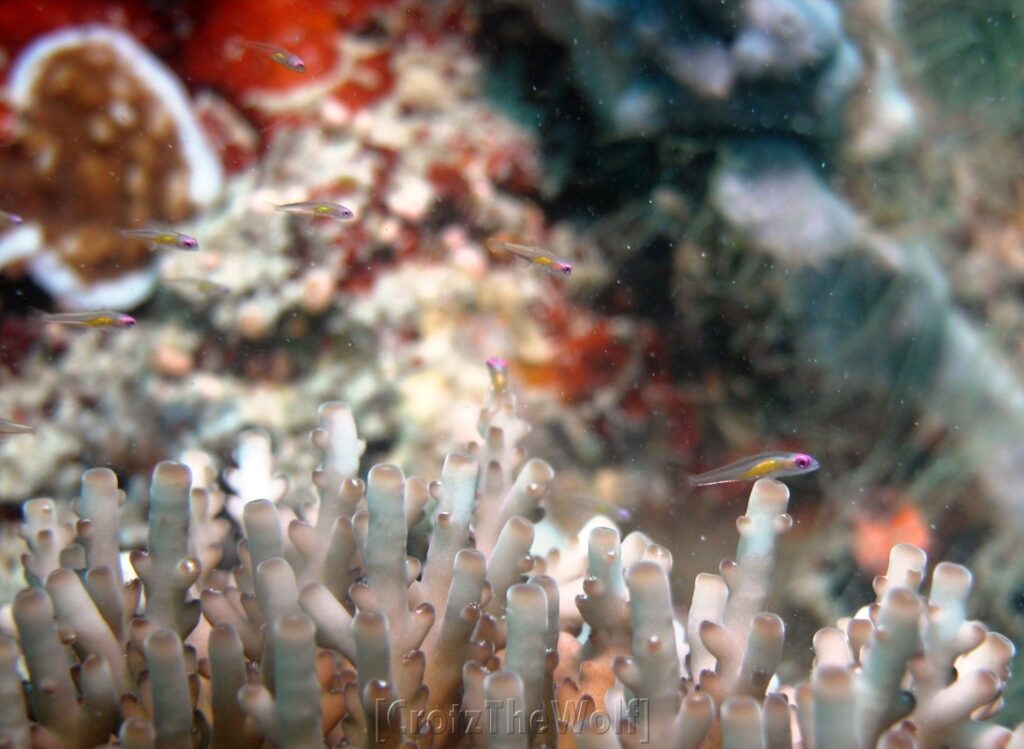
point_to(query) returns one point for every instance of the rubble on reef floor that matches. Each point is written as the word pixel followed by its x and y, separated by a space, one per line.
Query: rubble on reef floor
pixel 400 612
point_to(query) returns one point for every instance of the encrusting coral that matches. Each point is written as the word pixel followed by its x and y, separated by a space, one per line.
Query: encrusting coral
pixel 405 613
pixel 106 138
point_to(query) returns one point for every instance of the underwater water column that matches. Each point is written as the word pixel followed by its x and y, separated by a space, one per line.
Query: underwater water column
pixel 871 313
pixel 899 330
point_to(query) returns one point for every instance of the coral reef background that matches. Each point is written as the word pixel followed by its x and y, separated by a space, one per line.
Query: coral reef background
pixel 793 225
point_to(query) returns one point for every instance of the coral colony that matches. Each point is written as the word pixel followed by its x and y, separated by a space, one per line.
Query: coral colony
pixel 79 168
pixel 394 612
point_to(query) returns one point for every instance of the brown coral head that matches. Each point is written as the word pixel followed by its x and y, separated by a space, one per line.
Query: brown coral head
pixel 106 138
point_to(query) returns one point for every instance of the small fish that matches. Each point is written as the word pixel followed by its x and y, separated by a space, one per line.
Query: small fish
pixel 318 208
pixel 278 54
pixel 95 319
pixel 532 255
pixel 13 427
pixel 9 219
pixel 202 285
pixel 158 238
pixel 761 466
pixel 599 507
pixel 498 368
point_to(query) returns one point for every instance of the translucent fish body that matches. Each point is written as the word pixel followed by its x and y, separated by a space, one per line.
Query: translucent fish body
pixel 161 238
pixel 533 255
pixel 202 285
pixel 595 506
pixel 94 319
pixel 278 54
pixel 9 219
pixel 318 208
pixel 12 427
pixel 761 466
pixel 498 368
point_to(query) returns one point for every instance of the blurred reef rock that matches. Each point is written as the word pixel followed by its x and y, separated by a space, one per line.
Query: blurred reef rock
pixel 756 66
pixel 777 127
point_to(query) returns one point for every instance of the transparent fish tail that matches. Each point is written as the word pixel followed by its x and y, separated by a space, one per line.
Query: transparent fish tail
pixel 680 477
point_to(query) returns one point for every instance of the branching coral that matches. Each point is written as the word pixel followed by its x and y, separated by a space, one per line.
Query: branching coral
pixel 398 612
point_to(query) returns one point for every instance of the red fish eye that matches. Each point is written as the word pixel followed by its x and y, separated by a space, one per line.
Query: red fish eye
pixel 802 461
